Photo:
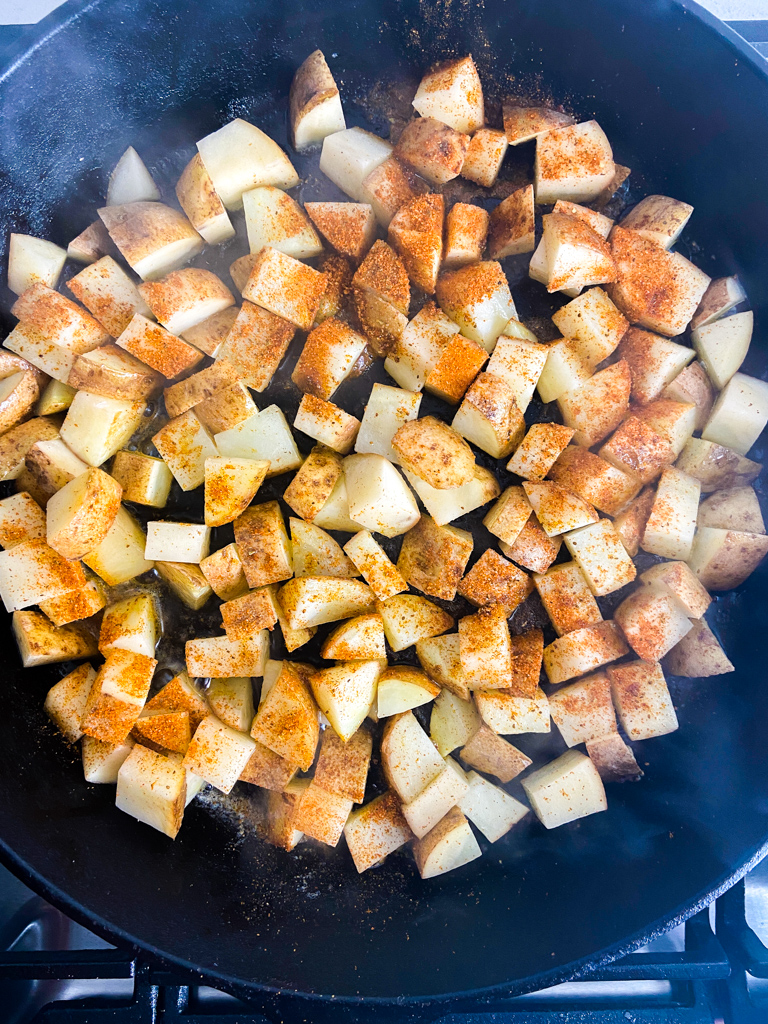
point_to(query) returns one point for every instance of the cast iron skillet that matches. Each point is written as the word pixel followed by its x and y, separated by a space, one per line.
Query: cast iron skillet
pixel 682 101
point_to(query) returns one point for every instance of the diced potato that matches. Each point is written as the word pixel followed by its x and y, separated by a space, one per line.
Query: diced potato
pixel 218 753
pixel 595 408
pixel 263 545
pixel 145 481
pixel 186 581
pixel 654 288
pixel 488 807
pixel 244 616
pixel 433 558
pixel 445 505
pixel 273 218
pixel 489 753
pixel 408 618
pixel 130 625
pixel 384 578
pixel 199 388
pixel 416 235
pixel 557 509
pixel 111 372
pixel 322 815
pixel 571 255
pixel 349 156
pixel 722 346
pixel 76 605
pixel 521 124
pixel 658 219
pixel 433 149
pixel 154 239
pixel 177 542
pixel 698 654
pixel 219 657
pixel 255 346
pixel 642 700
pixel 483 160
pixel 630 524
pixel 692 386
pixel 594 479
pixel 272 772
pixel 316 553
pixel 574 162
pixel 185 445
pixel 453 94
pixel 42 643
pixel 379 499
pixel 654 362
pixel 345 693
pixel 224 572
pixel 31 572
pixel 386 411
pixel 723 559
pixel 109 294
pixel 91 244
pixel 739 415
pixel 520 363
pixel 210 334
pixel 440 658
pixel 263 436
pixel 180 694
pixel 152 788
pixel 565 789
pixel 36 348
pixel 240 156
pixel 420 347
pixel 564 371
pixel 586 649
pixel 734 508
pixel 281 809
pixel 55 397
pixel 714 466
pixel 201 203
pixel 342 768
pixel 358 639
pixel 226 409
pixel 583 711
pixel 466 228
pixel 437 798
pixel 637 449
pixel 602 558
pixel 719 298
pixel 485 649
pixel 376 830
pixel 285 287
pixel 58 320
pixel 117 696
pixel 450 845
pixel 408 756
pixel 671 525
pixel 163 730
pixel 313 485
pixel 33 261
pixel 599 223
pixel 48 466
pixel 459 363
pixel 21 518
pixel 509 515
pixel 402 688
pixel 383 275
pixel 96 427
pixel 673 420
pixel 488 416
pixel 389 186
pixel 120 556
pixel 678 578
pixel 231 700
pixel 594 323
pixel 567 598
pixel 80 515
pixel 533 549
pixel 613 759
pixel 453 722
pixel 653 620
pixel 327 423
pixel 102 761
pixel 478 299
pixel 349 227
pixel 334 515
pixel 130 181
pixel 65 701
pixel 312 601
pixel 230 485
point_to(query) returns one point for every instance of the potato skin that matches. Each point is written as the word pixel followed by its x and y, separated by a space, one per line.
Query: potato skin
pixel 434 452
pixel 89 524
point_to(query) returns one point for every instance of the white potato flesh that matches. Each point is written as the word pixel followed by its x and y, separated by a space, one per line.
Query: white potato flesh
pixel 102 761
pixel 642 700
pixel 450 845
pixel 653 620
pixel 56 397
pixel 358 639
pixel 716 466
pixel 722 346
pixel 410 759
pixel 312 600
pixel 654 362
pixel 33 261
pixel 583 711
pixel 507 714
pixel 379 499
pixel 442 793
pixel 218 753
pixel 520 363
pixel 482 163
pixel 240 157
pixel 21 518
pixel 219 657
pixel 154 239
pixel 490 808
pixel 478 299
pixel 177 542
pixel 720 297
pixel 453 94
pixel 734 508
pixel 130 625
pixel 120 556
pixel 594 323
pixel 453 722
pixel 564 371
pixel 152 788
pixel 439 657
pixel 409 618
pixel 185 298
pixel 557 509
pixel 326 423
pixel 80 514
pixel 419 347
pixel 376 830
pixel 231 700
pixel 230 486
pixel 345 693
pixel 573 163
pixel 199 200
pixel 66 699
pixel 386 410
pixel 97 427
pixel 565 789
pixel 32 572
pixel 599 553
pixel 723 559
pixel 584 650
pixel 40 351
pixel 672 523
pixel 375 566
pixel 658 219
pixel 273 218
pixel 485 650
pixel 315 103
pixel 109 294
pixel 349 156
pixel 681 581
pixel 265 436
pixel 316 553
pixel 402 688
pixel 42 643
pixel 334 515
pixel 445 505
pixel 131 182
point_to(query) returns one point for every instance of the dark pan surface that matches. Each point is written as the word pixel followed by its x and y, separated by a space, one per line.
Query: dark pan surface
pixel 680 103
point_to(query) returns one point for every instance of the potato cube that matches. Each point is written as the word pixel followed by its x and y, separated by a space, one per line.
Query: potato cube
pixel 240 156
pixel 158 348
pixel 358 639
pixel 33 261
pixel 349 227
pixel 671 525
pixel 427 808
pixel 521 124
pixel 321 815
pixel 376 830
pixel 533 549
pixel 678 578
pixel 111 372
pixel 80 515
pixel 181 694
pixel 220 657
pixel 557 509
pixel 539 449
pixel 488 416
pixel 433 149
pixel 218 753
pixel 231 700
pixel 583 711
pixel 389 186
pixel 31 572
pixel 432 451
pixel 719 298
pixel 653 361
pixel 145 480
pixel 152 788
pixel 613 759
pixel 440 658
pixel 273 218
pixel 512 222
pixel 245 616
pixel 723 559
pixel 38 350
pixel 226 409
pixel 186 581
pixel 714 466
pixel 16 443
pixel 421 346
pixel 409 757
pixel 66 700
pixel 102 761
pixel 739 415
pixel 653 620
pixel 571 255
pixel 130 625
pixel 433 558
pixel 185 444
pixel 117 696
pixel 654 288
pixel 642 700
pixel 223 571
pixel 327 423
pixel 386 411
pixel 163 730
pixel 495 581
pixel 313 600
pixel 485 649
pixel 636 449
pixel 602 558
pixel 466 228
pixel 453 94
pixel 268 770
pixel 292 638
pixel 564 371
pixel 488 807
pixel 489 753
pixel 509 515
pixel 349 156
pixel 379 499
pixel 445 505
pixel 597 407
pixel 345 694
pixel 313 484
pixel 41 643
pixel 263 545
pixel 263 436
pixel 659 219
pixel 384 579
pixel 316 553
pixel 55 397
pixel 574 162
pixel 402 688
pixel 120 556
pixel 109 294
pixel 453 722
pixel 594 323
pixel 565 789
pixel 408 618
pixel 96 427
pixel 287 721
pixel 59 320
pixel 284 286
pixel 450 845
pixel 733 508
pixel 199 387
pixel 329 354
pixel 567 598
pixel 584 650
pixel 209 335
pixel 230 485
pixel 342 768
pixel 478 299
pixel 201 203
pixel 21 519
pixel 698 654
pixel 594 479
pixel 458 365
pixel 177 542
pixel 416 235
